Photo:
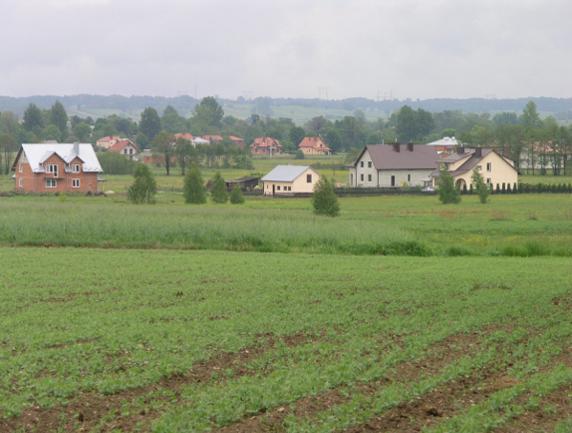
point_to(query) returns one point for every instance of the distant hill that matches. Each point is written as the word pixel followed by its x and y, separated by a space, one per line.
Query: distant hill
pixel 299 109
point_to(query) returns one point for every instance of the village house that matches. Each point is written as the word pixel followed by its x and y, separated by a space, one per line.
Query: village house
pixel 125 147
pixel 314 146
pixel 56 167
pixel 184 136
pixel 394 165
pixel 214 138
pixel 290 180
pixel 265 146
pixel 497 171
pixel 108 142
pixel 445 144
pixel 237 141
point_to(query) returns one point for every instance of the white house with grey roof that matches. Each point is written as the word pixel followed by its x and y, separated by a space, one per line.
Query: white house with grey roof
pixel 393 165
pixel 290 180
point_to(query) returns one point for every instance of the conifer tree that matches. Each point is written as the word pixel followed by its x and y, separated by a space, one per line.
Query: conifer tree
pixel 236 196
pixel 448 193
pixel 144 187
pixel 325 201
pixel 480 186
pixel 218 191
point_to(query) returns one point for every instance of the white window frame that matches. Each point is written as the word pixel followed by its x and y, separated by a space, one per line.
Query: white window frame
pixel 20 167
pixel 76 168
pixel 489 166
pixel 74 181
pixel 21 182
pixel 51 183
pixel 53 169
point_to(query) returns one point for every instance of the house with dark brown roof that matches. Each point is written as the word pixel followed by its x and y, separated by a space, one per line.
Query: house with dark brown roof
pixel 314 146
pixel 394 165
pixel 497 171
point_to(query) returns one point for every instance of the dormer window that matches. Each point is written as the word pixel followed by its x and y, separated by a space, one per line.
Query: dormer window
pixel 53 169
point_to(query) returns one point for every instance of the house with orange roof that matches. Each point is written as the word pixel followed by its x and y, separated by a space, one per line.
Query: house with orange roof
pixel 184 136
pixel 125 147
pixel 265 146
pixel 314 146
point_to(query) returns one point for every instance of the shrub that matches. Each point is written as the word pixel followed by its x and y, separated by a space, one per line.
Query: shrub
pixel 447 191
pixel 114 163
pixel 194 190
pixel 236 196
pixel 480 186
pixel 325 201
pixel 218 191
pixel 144 187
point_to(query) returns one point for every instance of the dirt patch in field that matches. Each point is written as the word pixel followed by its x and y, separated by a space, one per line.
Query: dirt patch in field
pixel 85 412
pixel 552 409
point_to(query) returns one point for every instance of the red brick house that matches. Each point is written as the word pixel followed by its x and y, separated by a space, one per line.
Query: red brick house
pixel 56 167
pixel 314 146
pixel 265 146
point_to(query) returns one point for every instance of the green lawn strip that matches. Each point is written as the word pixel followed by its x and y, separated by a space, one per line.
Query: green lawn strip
pixel 501 407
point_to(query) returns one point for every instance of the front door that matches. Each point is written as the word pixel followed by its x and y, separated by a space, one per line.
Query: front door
pixel 273 189
pixel 392 180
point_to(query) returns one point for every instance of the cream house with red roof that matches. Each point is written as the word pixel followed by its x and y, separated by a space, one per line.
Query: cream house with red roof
pixel 265 146
pixel 314 146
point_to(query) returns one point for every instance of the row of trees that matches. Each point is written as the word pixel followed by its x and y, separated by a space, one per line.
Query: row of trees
pixel 543 144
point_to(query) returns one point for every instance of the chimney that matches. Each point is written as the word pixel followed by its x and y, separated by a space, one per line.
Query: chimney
pixel 410 147
pixel 396 147
pixel 460 150
pixel 478 152
pixel 76 148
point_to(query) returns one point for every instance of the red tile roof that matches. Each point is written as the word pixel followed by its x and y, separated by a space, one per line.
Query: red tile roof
pixel 266 142
pixel 121 144
pixel 314 143
pixel 184 135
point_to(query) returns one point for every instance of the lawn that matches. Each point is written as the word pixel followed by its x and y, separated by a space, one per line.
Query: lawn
pixel 196 341
pixel 523 224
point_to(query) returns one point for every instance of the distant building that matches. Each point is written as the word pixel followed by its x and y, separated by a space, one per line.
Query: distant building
pixel 290 180
pixel 247 183
pixel 184 136
pixel 265 146
pixel 237 141
pixel 56 167
pixel 314 146
pixel 394 165
pixel 497 171
pixel 108 142
pixel 214 139
pixel 199 140
pixel 445 144
pixel 125 147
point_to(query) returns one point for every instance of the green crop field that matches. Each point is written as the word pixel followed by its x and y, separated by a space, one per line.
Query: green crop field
pixel 510 225
pixel 400 315
pixel 194 341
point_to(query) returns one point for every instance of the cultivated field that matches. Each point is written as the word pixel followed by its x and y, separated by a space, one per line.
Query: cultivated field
pixel 178 341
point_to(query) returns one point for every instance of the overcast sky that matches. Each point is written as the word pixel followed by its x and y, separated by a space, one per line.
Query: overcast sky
pixel 291 48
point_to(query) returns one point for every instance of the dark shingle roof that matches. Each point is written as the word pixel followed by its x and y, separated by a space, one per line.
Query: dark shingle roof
pixel 385 157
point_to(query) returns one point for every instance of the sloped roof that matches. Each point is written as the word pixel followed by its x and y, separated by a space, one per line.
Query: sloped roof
pixel 445 141
pixel 285 173
pixel 265 142
pixel 385 157
pixel 36 154
pixel 122 144
pixel 472 162
pixel 313 143
pixel 184 135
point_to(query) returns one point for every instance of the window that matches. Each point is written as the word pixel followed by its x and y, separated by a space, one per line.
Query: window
pixel 489 180
pixel 361 177
pixel 20 183
pixel 489 166
pixel 409 178
pixel 75 183
pixel 76 168
pixel 20 167
pixel 361 164
pixel 53 168
pixel 51 183
pixel 369 177
pixel 278 188
pixel 392 180
pixel 308 178
pixel 369 164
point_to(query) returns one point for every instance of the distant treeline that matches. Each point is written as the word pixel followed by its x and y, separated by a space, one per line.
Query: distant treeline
pixel 561 108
